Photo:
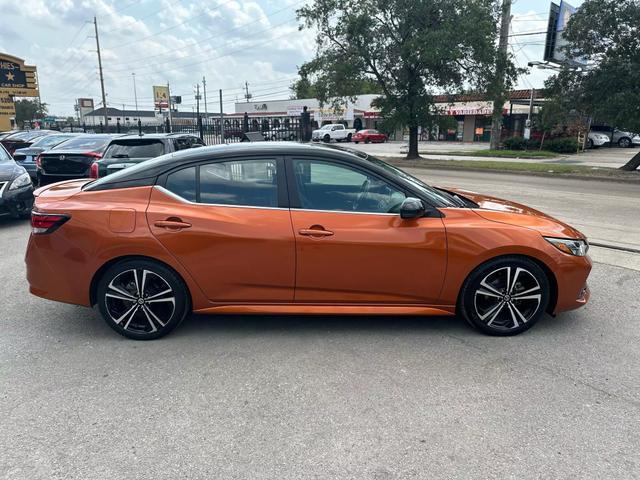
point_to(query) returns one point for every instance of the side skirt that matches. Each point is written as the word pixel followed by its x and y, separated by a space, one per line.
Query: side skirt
pixel 306 309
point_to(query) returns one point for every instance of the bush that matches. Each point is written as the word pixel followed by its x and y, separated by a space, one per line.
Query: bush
pixel 561 145
pixel 515 143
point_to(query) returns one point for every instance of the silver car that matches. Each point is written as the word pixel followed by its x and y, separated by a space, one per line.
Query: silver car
pixel 620 137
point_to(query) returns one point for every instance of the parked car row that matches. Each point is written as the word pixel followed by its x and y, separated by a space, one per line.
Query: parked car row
pixel 601 135
pixel 48 156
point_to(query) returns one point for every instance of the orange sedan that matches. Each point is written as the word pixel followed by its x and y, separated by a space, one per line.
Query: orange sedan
pixel 296 229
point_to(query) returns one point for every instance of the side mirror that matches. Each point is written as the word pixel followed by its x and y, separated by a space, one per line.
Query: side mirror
pixel 412 208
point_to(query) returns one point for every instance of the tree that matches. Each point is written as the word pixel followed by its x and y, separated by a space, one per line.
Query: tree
pixel 29 110
pixel 303 87
pixel 607 34
pixel 412 49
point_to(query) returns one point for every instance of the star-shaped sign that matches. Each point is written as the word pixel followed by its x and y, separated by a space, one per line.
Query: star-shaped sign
pixel 10 76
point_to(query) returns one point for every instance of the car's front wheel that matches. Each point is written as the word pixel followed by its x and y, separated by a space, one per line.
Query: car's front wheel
pixel 505 296
pixel 142 299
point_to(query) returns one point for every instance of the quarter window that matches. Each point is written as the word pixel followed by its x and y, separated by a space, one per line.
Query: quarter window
pixel 329 186
pixel 183 183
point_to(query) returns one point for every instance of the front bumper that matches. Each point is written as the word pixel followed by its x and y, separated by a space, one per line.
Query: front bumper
pixel 16 202
pixel 571 276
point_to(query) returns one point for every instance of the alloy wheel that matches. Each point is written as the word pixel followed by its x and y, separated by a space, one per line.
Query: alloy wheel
pixel 507 298
pixel 140 301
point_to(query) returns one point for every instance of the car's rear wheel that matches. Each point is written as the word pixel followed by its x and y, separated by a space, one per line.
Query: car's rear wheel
pixel 142 299
pixel 624 142
pixel 505 296
pixel 366 140
pixel 327 138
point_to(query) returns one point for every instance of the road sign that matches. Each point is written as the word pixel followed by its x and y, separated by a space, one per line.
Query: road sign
pixel 161 96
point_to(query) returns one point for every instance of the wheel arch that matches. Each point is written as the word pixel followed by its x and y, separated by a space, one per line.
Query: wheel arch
pixel 553 281
pixel 100 272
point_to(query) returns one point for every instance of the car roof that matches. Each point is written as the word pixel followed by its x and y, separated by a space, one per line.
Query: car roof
pixel 157 166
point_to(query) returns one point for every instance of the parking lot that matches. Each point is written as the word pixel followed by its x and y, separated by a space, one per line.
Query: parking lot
pixel 327 397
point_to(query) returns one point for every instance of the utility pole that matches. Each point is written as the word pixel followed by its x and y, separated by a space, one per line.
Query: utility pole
pixel 221 120
pixel 135 92
pixel 501 69
pixel 204 88
pixel 170 113
pixel 527 129
pixel 104 96
pixel 247 95
pixel 198 99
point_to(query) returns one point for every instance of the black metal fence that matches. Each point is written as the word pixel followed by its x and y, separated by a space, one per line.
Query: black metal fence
pixel 214 131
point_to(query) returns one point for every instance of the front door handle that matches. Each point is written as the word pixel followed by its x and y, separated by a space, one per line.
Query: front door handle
pixel 172 224
pixel 315 231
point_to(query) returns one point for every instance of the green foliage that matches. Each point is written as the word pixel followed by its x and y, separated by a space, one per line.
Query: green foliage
pixel 410 49
pixel 562 145
pixel 515 143
pixel 28 110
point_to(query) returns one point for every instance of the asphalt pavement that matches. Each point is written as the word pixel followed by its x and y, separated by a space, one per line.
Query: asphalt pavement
pixel 240 397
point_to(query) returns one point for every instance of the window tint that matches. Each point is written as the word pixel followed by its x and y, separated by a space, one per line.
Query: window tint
pixel 83 142
pixel 328 186
pixel 242 182
pixel 135 149
pixel 182 143
pixel 183 183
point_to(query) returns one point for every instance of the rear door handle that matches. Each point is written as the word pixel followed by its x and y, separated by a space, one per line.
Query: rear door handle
pixel 312 232
pixel 172 224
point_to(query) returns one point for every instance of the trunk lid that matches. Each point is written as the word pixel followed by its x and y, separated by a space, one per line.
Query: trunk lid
pixel 59 191
pixel 63 163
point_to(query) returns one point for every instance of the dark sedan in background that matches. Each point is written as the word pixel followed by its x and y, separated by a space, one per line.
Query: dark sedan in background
pixel 23 139
pixel 16 189
pixel 26 157
pixel 71 159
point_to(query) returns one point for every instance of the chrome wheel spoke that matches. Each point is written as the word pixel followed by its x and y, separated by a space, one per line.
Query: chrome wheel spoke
pixel 144 282
pixel 133 314
pixel 122 292
pixel 487 293
pixel 512 285
pixel 152 297
pixel 526 292
pixel 148 312
pixel 131 311
pixel 513 316
pixel 530 297
pixel 490 288
pixel 518 313
pixel 120 297
pixel 153 326
pixel 500 306
pixel 135 278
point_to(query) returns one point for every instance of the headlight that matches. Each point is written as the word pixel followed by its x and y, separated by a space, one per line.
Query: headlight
pixel 20 181
pixel 571 246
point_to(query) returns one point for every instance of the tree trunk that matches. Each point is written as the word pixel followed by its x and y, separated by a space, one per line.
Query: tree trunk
pixel 413 143
pixel 542 141
pixel 632 164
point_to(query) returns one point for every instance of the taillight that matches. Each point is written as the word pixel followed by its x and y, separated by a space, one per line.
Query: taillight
pixel 94 172
pixel 39 161
pixel 42 223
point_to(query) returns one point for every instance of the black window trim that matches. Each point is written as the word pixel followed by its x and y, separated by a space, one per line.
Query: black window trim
pixel 295 204
pixel 281 183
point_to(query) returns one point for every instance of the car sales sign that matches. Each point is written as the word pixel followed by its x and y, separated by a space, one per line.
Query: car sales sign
pixel 16 78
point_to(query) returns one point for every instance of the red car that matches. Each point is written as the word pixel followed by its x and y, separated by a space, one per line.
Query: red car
pixel 369 136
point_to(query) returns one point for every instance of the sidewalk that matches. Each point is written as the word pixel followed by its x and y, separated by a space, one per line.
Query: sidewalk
pixel 601 158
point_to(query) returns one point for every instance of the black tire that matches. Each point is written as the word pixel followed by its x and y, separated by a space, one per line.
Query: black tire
pixel 589 143
pixel 349 138
pixel 624 142
pixel 118 293
pixel 486 306
pixel 326 138
pixel 356 143
pixel 366 140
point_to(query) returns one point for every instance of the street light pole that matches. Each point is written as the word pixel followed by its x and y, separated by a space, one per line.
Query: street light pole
pixel 104 97
pixel 135 92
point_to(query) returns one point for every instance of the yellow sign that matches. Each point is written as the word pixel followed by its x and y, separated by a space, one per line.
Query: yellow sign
pixel 16 78
pixel 161 96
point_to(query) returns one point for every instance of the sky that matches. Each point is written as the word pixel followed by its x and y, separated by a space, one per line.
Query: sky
pixel 182 41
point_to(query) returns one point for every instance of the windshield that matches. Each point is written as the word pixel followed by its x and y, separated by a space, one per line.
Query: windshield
pixel 326 127
pixel 135 149
pixel 84 143
pixel 4 156
pixel 51 141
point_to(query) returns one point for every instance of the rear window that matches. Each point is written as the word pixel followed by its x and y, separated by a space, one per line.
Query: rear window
pixel 50 141
pixel 135 149
pixel 84 143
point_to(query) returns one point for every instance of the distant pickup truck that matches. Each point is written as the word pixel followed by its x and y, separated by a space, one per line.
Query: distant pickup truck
pixel 334 131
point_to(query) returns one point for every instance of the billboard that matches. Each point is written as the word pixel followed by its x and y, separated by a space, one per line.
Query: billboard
pixel 555 44
pixel 161 96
